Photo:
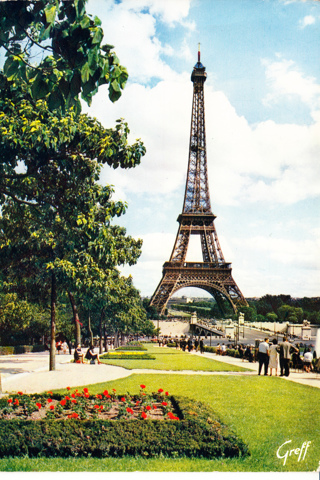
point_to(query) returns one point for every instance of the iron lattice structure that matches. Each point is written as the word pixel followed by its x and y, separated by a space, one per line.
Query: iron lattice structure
pixel 213 274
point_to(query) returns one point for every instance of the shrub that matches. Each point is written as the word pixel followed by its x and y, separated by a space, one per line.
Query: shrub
pixel 17 349
pixel 137 348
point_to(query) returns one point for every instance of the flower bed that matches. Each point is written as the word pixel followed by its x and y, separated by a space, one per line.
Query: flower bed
pixel 127 355
pixel 113 425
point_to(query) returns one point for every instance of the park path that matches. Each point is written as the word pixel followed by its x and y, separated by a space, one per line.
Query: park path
pixel 29 372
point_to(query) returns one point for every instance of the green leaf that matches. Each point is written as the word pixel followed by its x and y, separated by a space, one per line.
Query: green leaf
pixel 85 73
pixel 50 13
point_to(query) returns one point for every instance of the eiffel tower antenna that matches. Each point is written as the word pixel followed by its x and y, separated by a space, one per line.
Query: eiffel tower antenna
pixel 213 274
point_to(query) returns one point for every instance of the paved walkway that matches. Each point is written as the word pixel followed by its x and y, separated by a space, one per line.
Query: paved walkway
pixel 29 372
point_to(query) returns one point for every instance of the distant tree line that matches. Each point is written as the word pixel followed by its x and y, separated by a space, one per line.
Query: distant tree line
pixel 269 308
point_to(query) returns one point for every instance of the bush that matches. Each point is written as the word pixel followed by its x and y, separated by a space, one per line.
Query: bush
pixel 197 433
pixel 210 349
pixel 17 349
pixel 137 348
pixel 171 345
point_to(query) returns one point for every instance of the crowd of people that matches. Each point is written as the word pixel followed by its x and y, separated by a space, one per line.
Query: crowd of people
pixel 183 343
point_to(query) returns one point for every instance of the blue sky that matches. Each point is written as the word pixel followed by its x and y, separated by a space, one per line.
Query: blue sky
pixel 262 99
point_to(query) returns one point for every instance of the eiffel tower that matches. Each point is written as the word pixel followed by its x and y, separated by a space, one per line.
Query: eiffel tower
pixel 213 274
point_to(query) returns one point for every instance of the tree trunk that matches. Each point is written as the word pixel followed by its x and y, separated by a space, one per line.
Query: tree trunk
pixel 77 322
pixel 90 330
pixel 101 332
pixel 52 364
pixel 105 338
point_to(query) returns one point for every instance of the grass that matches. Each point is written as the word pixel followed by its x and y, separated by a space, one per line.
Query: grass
pixel 265 412
pixel 174 360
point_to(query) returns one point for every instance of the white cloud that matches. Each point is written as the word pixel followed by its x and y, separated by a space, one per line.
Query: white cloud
pixel 307 20
pixel 285 79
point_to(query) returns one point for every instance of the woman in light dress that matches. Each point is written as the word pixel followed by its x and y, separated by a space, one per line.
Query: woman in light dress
pixel 273 356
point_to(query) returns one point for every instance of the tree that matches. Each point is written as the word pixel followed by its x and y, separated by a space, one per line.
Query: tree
pixel 56 218
pixel 73 60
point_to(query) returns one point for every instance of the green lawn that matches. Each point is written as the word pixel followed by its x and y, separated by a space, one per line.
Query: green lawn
pixel 265 412
pixel 172 359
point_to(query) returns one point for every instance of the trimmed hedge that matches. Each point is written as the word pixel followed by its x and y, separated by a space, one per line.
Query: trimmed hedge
pixel 198 433
pixel 16 349
pixel 136 348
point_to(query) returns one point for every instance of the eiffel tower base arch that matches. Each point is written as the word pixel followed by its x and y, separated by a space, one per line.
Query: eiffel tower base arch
pixel 216 280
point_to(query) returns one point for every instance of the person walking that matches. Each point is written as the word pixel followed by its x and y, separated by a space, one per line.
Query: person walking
pixel 285 352
pixel 263 356
pixel 201 345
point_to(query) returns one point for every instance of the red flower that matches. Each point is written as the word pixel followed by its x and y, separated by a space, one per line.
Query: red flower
pixel 106 393
pixel 144 415
pixel 39 405
pixel 166 393
pixel 101 407
pixel 164 404
pixel 148 407
pixel 99 396
pixel 129 410
pixel 67 398
pixel 114 390
pixel 160 390
pixel 68 388
pixel 123 399
pixel 86 390
pixel 96 406
pixel 172 417
pixel 51 407
pixel 74 401
pixel 73 415
pixel 137 402
pixel 16 402
pixel 20 393
pixel 142 386
pixel 9 400
pixel 49 393
pixel 73 395
pixel 154 407
pixel 63 402
pixel 87 395
pixel 49 400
